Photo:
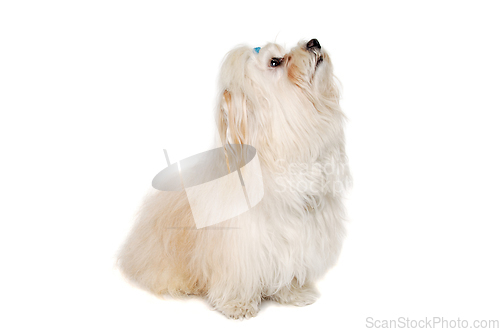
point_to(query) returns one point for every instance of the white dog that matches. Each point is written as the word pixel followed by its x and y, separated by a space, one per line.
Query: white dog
pixel 286 105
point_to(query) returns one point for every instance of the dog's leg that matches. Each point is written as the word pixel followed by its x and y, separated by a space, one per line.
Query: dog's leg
pixel 295 294
pixel 235 286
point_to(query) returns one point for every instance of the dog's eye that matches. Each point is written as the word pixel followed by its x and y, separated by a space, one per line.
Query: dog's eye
pixel 275 62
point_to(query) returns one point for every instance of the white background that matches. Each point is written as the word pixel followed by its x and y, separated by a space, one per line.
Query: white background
pixel 92 91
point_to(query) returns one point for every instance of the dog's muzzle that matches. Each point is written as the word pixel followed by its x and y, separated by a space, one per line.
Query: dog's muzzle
pixel 314 47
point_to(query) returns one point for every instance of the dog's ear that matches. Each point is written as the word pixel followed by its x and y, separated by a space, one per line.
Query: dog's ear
pixel 232 118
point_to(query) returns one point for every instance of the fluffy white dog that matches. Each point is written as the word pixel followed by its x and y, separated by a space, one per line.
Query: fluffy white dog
pixel 286 105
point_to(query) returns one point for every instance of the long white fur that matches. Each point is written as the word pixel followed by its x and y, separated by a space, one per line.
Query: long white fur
pixel 279 248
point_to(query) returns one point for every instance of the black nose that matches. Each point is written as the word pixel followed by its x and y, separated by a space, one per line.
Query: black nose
pixel 313 43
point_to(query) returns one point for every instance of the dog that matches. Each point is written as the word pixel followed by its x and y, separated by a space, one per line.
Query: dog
pixel 286 105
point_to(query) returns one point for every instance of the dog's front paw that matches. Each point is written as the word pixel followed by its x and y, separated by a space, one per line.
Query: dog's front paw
pixel 239 309
pixel 297 296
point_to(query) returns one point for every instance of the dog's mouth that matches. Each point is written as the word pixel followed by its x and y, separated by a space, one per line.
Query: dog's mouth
pixel 319 59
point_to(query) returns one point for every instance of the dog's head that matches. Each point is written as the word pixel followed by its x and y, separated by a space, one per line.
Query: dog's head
pixel 284 104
